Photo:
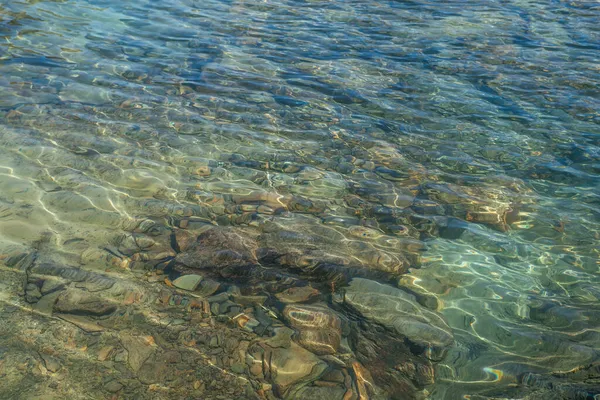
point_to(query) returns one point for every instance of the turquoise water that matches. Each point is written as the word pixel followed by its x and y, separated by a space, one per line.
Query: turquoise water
pixel 288 152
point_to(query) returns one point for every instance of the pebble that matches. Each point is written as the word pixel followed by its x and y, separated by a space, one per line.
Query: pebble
pixel 156 278
pixel 297 294
pixel 51 363
pixel 219 298
pixel 294 364
pixel 113 386
pixel 248 323
pixel 250 300
pixel 188 282
pixel 207 287
pixel 256 369
pixel 105 353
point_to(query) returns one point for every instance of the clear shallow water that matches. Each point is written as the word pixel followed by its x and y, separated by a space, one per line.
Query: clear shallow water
pixel 450 150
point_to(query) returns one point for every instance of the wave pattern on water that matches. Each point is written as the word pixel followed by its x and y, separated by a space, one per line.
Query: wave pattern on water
pixel 299 199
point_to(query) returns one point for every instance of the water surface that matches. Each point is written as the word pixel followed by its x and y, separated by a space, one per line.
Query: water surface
pixel 296 155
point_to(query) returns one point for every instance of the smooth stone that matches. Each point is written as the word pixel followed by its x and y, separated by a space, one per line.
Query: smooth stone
pixel 297 294
pixel 156 278
pixel 250 324
pixel 398 311
pixel 250 300
pixel 294 365
pixel 320 328
pixel 256 369
pixel 218 298
pixel 106 353
pixel 113 386
pixel 207 288
pixel 79 302
pixel 144 242
pixel 188 282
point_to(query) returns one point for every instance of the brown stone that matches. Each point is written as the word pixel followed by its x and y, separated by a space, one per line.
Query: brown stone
pixel 297 294
pixel 139 349
pixel 79 302
pixel 184 239
pixel 319 327
pixel 106 353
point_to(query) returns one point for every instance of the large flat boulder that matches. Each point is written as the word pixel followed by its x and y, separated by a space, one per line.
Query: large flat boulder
pixel 399 312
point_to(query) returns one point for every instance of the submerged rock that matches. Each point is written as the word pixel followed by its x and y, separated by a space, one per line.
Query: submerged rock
pixel 51 285
pixel 293 365
pixel 139 349
pixel 487 205
pixel 79 302
pixel 207 287
pixel 51 363
pixel 400 312
pixel 385 361
pixel 297 294
pixel 113 386
pixel 188 282
pixel 219 249
pixel 579 383
pixel 319 327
